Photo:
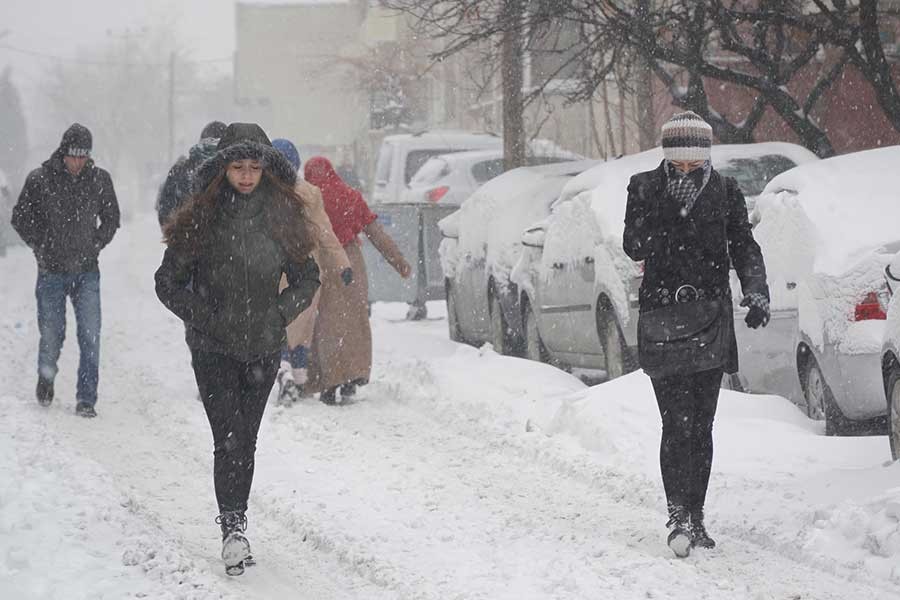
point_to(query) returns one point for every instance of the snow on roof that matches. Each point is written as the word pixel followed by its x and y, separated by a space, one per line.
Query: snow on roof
pixel 608 181
pixel 850 201
pixel 498 211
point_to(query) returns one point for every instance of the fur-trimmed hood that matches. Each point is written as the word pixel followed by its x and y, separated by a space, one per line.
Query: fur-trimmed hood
pixel 240 141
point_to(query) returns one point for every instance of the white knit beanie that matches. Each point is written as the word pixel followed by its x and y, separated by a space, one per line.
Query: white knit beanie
pixel 686 136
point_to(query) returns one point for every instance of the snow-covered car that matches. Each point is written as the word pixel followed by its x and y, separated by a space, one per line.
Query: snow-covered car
pixel 827 229
pixel 401 156
pixel 451 178
pixel 482 242
pixel 579 290
pixel 890 355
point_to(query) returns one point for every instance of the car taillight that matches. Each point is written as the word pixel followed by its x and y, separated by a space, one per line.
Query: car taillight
pixel 869 309
pixel 437 193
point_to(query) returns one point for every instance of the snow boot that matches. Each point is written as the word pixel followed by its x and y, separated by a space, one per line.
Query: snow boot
pixel 288 389
pixel 348 390
pixel 44 391
pixel 699 537
pixel 328 396
pixel 679 525
pixel 83 409
pixel 235 547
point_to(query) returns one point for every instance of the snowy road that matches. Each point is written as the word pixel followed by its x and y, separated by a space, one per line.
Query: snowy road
pixel 430 486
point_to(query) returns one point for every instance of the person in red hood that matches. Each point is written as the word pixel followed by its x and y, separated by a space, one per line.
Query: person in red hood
pixel 341 351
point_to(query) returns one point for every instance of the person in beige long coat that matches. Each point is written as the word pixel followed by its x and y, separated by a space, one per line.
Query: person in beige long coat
pixel 333 266
pixel 341 351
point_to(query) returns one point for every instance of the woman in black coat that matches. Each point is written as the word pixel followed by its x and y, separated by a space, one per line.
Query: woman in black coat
pixel 228 247
pixel 689 225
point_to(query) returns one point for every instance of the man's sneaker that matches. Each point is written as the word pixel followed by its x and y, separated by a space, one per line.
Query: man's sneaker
pixel 700 538
pixel 44 391
pixel 679 525
pixel 235 547
pixel 83 409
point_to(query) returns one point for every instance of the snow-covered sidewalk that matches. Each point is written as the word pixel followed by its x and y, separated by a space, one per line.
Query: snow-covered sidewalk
pixel 458 473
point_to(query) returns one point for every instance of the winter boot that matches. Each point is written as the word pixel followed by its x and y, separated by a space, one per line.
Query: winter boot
pixel 235 547
pixel 288 390
pixel 679 525
pixel 700 538
pixel 44 391
pixel 348 390
pixel 328 396
pixel 83 409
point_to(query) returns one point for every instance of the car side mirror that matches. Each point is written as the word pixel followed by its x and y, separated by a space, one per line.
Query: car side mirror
pixel 533 237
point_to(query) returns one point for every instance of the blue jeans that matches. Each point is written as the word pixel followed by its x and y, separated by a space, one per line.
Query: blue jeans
pixel 84 290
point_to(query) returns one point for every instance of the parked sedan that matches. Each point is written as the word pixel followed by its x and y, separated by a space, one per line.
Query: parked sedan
pixel 890 355
pixel 451 178
pixel 482 243
pixel 579 289
pixel 827 229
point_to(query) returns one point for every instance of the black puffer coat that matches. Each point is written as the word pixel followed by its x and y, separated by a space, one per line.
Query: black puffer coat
pixel 66 220
pixel 695 249
pixel 228 296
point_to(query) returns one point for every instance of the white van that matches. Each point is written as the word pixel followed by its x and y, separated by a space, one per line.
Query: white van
pixel 400 156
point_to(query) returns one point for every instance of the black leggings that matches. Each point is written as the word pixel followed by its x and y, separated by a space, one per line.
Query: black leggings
pixel 234 394
pixel 687 405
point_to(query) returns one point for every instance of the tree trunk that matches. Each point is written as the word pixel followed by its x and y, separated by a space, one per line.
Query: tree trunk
pixel 876 69
pixel 646 115
pixel 511 75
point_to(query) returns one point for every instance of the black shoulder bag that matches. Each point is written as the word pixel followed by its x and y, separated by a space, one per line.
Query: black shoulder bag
pixel 686 337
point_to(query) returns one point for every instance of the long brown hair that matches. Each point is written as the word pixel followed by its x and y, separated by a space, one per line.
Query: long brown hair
pixel 188 228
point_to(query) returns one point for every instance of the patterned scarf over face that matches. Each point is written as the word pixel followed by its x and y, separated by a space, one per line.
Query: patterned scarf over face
pixel 685 188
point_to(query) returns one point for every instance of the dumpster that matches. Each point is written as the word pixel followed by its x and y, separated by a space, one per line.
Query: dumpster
pixel 413 225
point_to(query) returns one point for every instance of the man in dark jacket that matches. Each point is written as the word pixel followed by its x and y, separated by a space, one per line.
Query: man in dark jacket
pixel 68 212
pixel 178 185
pixel 689 225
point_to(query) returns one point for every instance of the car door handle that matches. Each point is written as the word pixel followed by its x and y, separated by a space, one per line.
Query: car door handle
pixel 589 260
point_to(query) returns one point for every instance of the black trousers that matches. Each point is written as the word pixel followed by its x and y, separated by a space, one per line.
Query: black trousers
pixel 687 405
pixel 234 394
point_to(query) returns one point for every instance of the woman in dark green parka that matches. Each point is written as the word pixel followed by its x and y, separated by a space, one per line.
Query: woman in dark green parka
pixel 227 249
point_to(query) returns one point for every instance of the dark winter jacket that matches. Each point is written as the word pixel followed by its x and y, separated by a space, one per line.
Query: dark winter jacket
pixel 228 295
pixel 178 185
pixel 696 248
pixel 66 220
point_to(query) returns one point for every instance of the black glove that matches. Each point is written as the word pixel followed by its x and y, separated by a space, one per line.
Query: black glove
pixel 347 276
pixel 759 310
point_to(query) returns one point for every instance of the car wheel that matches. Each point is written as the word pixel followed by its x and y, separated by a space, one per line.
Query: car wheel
pixel 614 352
pixel 499 330
pixel 892 390
pixel 534 347
pixel 452 319
pixel 819 399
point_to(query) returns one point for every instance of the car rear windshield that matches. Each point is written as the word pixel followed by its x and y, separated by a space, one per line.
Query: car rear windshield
pixel 753 174
pixel 487 169
pixel 416 158
pixel 431 171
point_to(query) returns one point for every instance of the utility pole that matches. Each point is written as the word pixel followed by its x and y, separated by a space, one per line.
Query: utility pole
pixel 511 74
pixel 171 107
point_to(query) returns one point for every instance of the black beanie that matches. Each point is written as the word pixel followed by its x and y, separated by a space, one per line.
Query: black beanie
pixel 76 141
pixel 213 129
